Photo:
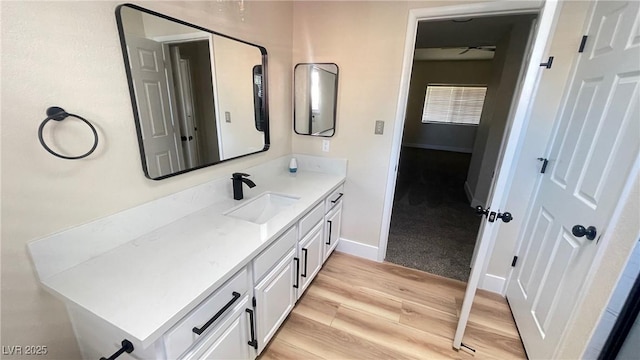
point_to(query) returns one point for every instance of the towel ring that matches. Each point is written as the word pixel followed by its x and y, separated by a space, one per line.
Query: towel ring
pixel 58 114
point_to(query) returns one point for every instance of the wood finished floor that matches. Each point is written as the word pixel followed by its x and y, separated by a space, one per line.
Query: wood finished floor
pixel 360 309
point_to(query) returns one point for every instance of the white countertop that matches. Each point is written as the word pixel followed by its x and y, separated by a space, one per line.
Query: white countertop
pixel 146 285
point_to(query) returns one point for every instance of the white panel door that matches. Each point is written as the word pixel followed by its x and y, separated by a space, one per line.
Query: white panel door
pixel 152 98
pixel 591 155
pixel 186 108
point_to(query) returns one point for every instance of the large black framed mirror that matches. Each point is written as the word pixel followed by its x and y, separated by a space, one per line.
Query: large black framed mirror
pixel 199 97
pixel 315 99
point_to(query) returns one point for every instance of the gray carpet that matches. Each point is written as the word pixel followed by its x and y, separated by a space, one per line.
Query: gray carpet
pixel 433 227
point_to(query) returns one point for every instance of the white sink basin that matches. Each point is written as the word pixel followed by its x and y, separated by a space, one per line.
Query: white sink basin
pixel 262 208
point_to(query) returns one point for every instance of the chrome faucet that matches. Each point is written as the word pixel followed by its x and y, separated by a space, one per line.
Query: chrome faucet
pixel 238 179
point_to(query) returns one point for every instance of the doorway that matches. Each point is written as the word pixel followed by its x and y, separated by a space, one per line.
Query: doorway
pixel 465 72
pixel 192 97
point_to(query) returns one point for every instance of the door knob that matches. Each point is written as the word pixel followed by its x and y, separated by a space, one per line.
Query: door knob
pixel 481 211
pixel 580 231
pixel 506 216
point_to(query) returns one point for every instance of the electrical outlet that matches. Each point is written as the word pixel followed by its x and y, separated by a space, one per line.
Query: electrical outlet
pixel 379 127
pixel 227 116
pixel 325 145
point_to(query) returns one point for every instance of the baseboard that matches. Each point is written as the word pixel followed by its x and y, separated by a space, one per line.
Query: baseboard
pixel 473 201
pixel 493 284
pixel 467 191
pixel 358 249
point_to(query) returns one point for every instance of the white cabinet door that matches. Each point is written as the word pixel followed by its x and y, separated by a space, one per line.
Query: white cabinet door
pixel 333 222
pixel 275 297
pixel 233 344
pixel 310 253
pixel 230 339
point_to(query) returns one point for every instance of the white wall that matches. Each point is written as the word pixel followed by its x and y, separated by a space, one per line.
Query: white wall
pixel 448 137
pixel 68 54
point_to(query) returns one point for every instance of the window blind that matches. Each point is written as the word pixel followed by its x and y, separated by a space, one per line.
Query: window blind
pixel 453 104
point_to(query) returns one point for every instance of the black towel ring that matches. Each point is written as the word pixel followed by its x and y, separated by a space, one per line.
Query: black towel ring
pixel 58 114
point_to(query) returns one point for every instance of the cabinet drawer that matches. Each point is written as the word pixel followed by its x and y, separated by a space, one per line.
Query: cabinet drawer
pixel 333 199
pixel 182 336
pixel 269 257
pixel 310 220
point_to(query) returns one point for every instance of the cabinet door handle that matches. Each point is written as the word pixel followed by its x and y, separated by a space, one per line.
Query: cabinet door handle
pixel 304 269
pixel 336 200
pixel 329 241
pixel 253 341
pixel 297 272
pixel 215 317
pixel 127 347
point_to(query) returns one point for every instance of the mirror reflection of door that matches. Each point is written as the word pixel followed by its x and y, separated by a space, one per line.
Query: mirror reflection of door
pixel 194 102
pixel 322 93
pixel 161 137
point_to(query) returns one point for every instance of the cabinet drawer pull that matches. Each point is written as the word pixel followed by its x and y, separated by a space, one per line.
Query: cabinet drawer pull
pixel 336 199
pixel 304 269
pixel 215 317
pixel 297 272
pixel 253 341
pixel 329 241
pixel 127 347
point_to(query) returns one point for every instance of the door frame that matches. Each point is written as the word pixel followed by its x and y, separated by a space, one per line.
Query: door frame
pixel 548 14
pixel 443 13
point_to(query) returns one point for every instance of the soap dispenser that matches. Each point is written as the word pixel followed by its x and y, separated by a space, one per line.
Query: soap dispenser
pixel 293 165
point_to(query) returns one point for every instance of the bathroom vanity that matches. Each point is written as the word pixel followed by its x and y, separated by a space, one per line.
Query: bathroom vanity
pixel 198 275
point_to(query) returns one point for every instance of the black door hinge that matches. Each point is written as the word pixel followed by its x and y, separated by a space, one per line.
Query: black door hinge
pixel 583 43
pixel 515 260
pixel 253 302
pixel 548 63
pixel 545 162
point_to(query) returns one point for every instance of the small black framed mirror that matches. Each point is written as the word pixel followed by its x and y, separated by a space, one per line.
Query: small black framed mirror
pixel 199 97
pixel 315 99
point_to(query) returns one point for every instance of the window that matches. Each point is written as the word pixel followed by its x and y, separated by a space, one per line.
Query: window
pixel 453 104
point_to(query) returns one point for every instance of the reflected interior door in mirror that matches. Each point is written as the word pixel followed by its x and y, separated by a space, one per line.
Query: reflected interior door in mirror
pixel 316 87
pixel 199 97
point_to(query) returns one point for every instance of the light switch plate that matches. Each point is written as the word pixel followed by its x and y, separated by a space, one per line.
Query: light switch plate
pixel 379 127
pixel 325 145
pixel 227 116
